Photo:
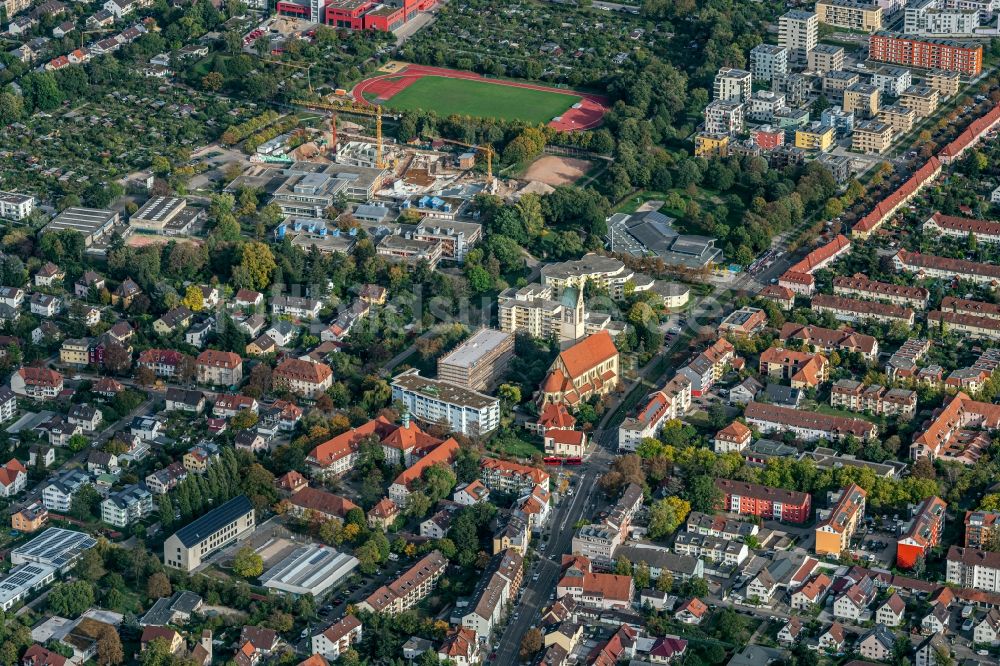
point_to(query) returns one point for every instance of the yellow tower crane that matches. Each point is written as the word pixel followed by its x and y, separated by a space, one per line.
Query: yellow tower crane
pixel 485 149
pixel 360 109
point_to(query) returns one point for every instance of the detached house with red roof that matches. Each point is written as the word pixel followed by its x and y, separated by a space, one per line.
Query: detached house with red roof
pixel 336 639
pixel 37 383
pixel 734 437
pixel 443 454
pixel 692 611
pixel 590 367
pixel 13 478
pixel 163 362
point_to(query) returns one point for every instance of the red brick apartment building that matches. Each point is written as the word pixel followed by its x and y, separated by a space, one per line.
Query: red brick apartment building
pixel 751 499
pixel 925 52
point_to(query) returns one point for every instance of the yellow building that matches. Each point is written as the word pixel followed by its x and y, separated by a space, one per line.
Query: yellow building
pixel 922 99
pixel 29 519
pixel 871 137
pixel 75 351
pixel 814 137
pixel 863 16
pixel 862 100
pixel 711 145
pixel 899 118
pixel 833 534
pixel 946 83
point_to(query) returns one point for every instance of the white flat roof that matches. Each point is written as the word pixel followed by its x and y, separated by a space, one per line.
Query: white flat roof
pixel 312 569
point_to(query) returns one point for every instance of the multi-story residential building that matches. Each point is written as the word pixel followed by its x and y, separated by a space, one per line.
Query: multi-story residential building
pixel 814 136
pixel 811 593
pixel 732 85
pixel 744 322
pixel 926 52
pixel 950 435
pixel 763 501
pixel 928 17
pixel 973 568
pixel 798 31
pixel 850 14
pixel 826 340
pixel 163 362
pixel 338 638
pixel 454 238
pixel 436 401
pixel 734 437
pixel 945 268
pixel 836 81
pixel 127 506
pixel 862 99
pixel 219 368
pixel 922 99
pixel 37 383
pixel 506 476
pixel 766 60
pixel 825 58
pixel 709 366
pixel 713 549
pixel 862 287
pixel 490 601
pixel 899 118
pixel 605 273
pixel 478 363
pixel 923 532
pixel 981 529
pixel 189 546
pixel 985 231
pixel 871 137
pixel 892 612
pixel 14 206
pixel 947 83
pixel 892 81
pixel 535 310
pixel 30 519
pixel 304 378
pixel 58 495
pixel 724 117
pixel 763 104
pixel 410 588
pixel 597 590
pixel 856 397
pixel 802 369
pixel 295 306
pixel 670 402
pixel 166 479
pixel 855 310
pixel 711 145
pixel 837 526
pixel 808 426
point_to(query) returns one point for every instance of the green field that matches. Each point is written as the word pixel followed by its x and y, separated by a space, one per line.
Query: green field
pixel 481 99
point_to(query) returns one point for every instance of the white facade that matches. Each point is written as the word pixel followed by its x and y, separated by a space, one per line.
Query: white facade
pixel 926 17
pixel 892 81
pixel 766 60
pixel 15 206
pixel 798 31
pixel 732 85
pixel 724 117
pixel 433 401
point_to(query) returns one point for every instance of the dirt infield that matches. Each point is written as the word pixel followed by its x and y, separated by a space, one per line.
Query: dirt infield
pixel 555 171
pixel 586 114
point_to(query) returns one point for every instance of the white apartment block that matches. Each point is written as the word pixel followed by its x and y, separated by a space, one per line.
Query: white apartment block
pixel 926 17
pixel 722 117
pixel 764 104
pixel 732 85
pixel 434 401
pixel 971 567
pixel 986 8
pixel 892 81
pixel 766 60
pixel 15 206
pixel 798 31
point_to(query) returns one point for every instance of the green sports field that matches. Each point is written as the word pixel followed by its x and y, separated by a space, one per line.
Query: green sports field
pixel 481 99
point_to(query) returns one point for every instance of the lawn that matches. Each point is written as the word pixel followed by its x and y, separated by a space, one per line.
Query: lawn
pixel 481 99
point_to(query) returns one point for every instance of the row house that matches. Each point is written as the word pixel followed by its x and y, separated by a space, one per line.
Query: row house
pixel 855 310
pixel 922 533
pixel 944 268
pixel 958 431
pixel 709 366
pixel 713 549
pixel 808 426
pixel 764 502
pixel 826 340
pixel 861 287
pixel 985 231
pixel 856 397
pixel 970 325
pixel 409 589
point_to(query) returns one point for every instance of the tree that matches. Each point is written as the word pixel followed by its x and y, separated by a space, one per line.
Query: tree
pixel 666 515
pixel 623 567
pixel 71 599
pixel 247 563
pixel 109 647
pixel 695 587
pixel 212 81
pixel 194 299
pixel 145 376
pixel 256 267
pixel 665 583
pixel 531 643
pixel 244 420
pixel 77 443
pixel 84 502
pixel 90 566
pixel 158 586
pixel 640 575
pixel 117 359
pixel 703 494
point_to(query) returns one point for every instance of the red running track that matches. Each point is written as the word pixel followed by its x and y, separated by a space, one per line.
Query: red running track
pixel 587 115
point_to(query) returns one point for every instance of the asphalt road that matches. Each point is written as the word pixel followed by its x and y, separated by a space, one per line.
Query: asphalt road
pixel 536 593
